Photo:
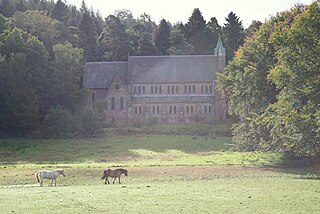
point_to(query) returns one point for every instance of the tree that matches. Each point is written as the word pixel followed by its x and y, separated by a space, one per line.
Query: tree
pixel 273 85
pixel 179 44
pixel 6 8
pixel 254 26
pixel 197 33
pixel 146 46
pixel 67 76
pixel 162 38
pixel 22 66
pixel 214 31
pixel 88 34
pixel 113 41
pixel 38 24
pixel 233 34
pixel 295 128
pixel 60 12
pixel 3 22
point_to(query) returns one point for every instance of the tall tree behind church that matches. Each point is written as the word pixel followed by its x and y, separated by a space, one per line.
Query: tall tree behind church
pixel 88 34
pixel 233 34
pixel 197 33
pixel 162 37
pixel 60 12
pixel 113 41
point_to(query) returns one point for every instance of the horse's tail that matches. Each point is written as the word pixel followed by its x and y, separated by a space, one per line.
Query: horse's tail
pixel 104 174
pixel 37 176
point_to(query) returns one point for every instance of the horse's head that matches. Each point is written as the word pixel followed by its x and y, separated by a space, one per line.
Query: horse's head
pixel 125 172
pixel 62 173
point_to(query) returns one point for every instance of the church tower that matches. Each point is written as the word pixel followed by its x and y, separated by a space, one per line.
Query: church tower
pixel 220 52
pixel 220 97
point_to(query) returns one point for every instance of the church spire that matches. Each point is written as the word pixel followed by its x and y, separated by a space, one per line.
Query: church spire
pixel 220 49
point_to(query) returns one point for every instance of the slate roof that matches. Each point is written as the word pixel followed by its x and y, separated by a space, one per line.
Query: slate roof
pixel 152 69
pixel 172 69
pixel 100 74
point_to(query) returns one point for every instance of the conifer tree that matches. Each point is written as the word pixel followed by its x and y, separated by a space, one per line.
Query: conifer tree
pixel 179 44
pixel 113 41
pixel 197 33
pixel 233 34
pixel 162 38
pixel 60 12
pixel 88 34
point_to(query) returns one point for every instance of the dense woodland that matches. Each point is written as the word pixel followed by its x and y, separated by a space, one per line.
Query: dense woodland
pixel 273 85
pixel 44 44
pixel 272 81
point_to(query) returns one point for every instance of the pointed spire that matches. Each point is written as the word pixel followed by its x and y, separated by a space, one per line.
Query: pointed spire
pixel 220 49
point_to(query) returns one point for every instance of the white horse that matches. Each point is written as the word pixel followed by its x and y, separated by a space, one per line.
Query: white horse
pixel 44 174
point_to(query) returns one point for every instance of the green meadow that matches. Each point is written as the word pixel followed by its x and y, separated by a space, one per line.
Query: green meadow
pixel 167 174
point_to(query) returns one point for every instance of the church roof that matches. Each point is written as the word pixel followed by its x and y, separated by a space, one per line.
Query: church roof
pixel 101 74
pixel 172 69
pixel 152 69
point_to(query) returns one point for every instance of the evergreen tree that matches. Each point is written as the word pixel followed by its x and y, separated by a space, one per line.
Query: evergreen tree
pixel 179 44
pixel 60 12
pixel 3 21
pixel 74 17
pixel 162 38
pixel 7 8
pixel 88 34
pixel 113 42
pixel 20 6
pixel 233 34
pixel 197 33
pixel 214 32
pixel 146 46
pixel 254 26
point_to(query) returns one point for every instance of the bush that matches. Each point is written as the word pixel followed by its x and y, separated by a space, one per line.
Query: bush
pixel 91 122
pixel 59 122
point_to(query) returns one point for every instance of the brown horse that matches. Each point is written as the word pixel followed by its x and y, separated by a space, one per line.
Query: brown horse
pixel 113 174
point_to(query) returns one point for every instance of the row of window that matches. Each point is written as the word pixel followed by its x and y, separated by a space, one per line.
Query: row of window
pixel 172 89
pixel 173 109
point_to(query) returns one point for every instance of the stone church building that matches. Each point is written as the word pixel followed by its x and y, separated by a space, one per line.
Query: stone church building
pixel 173 89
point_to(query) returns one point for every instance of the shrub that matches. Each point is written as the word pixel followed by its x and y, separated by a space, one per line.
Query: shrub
pixel 91 122
pixel 59 122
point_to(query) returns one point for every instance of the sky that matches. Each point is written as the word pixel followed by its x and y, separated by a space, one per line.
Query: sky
pixel 180 10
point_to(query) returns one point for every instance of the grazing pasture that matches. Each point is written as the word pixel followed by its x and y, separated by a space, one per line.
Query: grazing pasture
pixel 166 174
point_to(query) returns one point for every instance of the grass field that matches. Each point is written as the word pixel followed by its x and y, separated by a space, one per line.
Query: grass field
pixel 167 174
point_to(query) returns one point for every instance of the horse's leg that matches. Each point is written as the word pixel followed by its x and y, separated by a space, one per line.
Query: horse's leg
pixel 51 182
pixel 114 179
pixel 106 181
pixel 55 182
pixel 119 180
pixel 41 182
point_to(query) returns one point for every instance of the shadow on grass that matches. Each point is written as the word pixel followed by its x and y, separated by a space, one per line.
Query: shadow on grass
pixel 298 169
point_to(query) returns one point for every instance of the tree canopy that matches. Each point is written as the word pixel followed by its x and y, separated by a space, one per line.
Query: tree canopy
pixel 273 85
